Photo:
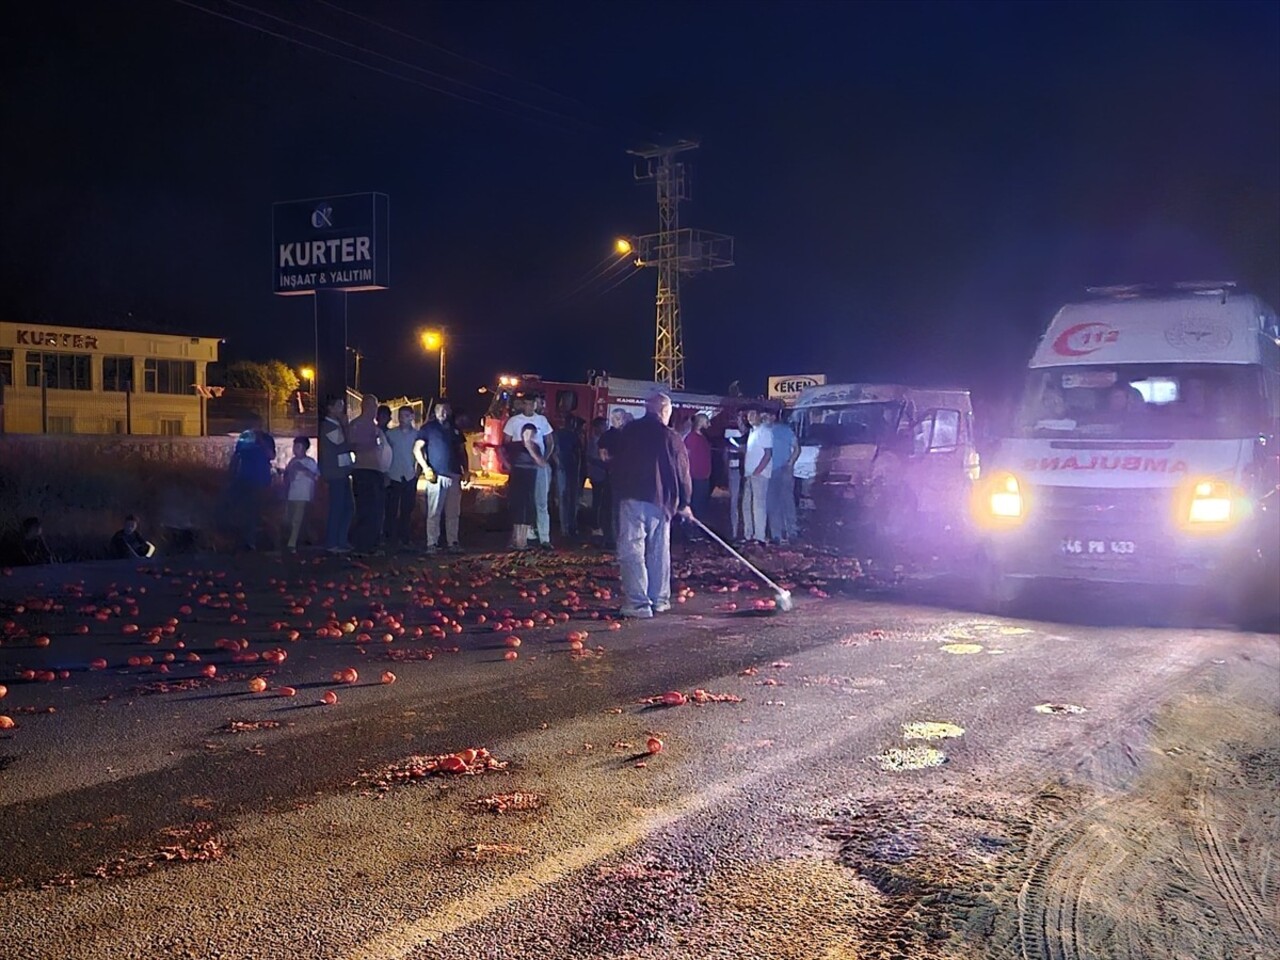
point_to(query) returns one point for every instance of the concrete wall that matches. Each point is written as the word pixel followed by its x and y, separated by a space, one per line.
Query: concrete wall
pixel 72 451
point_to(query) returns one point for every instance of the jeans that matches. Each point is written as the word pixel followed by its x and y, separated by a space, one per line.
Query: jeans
pixel 735 504
pixel 401 495
pixel 644 556
pixel 369 488
pixel 568 496
pixel 341 509
pixel 755 507
pixel 782 505
pixel 541 497
pixel 443 497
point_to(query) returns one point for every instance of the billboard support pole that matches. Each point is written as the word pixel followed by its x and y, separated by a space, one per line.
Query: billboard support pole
pixel 331 348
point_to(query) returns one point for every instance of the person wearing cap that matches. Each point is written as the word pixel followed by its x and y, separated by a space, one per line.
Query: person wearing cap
pixel 650 473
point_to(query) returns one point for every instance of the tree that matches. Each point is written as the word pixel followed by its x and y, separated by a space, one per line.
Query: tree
pixel 274 377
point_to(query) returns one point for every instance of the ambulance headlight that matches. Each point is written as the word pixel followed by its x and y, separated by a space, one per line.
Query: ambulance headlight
pixel 1000 501
pixel 1006 498
pixel 1211 504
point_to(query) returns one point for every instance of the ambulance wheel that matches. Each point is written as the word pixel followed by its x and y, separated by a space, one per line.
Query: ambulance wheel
pixel 998 593
pixel 1255 601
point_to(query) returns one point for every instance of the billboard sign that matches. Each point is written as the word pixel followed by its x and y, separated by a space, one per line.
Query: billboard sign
pixel 788 388
pixel 330 243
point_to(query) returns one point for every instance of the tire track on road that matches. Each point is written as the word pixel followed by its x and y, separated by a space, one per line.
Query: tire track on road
pixel 1222 864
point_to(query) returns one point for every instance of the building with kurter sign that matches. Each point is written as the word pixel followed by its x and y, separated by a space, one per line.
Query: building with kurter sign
pixel 82 380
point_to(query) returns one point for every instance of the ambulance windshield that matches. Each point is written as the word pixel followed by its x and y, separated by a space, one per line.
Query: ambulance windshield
pixel 1142 402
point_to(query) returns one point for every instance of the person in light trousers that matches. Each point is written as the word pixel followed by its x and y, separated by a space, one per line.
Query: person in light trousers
pixel 650 468
pixel 441 452
pixel 757 468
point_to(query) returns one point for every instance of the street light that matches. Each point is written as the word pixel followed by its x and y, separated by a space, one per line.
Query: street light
pixel 433 340
pixel 309 375
pixel 622 246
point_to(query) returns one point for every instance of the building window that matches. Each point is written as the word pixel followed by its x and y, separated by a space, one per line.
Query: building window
pixel 62 371
pixel 168 376
pixel 61 425
pixel 117 374
pixel 170 428
pixel 6 368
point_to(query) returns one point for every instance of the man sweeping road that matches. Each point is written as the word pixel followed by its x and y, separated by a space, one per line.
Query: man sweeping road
pixel 650 472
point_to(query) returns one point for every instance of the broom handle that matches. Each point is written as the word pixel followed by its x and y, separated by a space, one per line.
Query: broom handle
pixel 743 560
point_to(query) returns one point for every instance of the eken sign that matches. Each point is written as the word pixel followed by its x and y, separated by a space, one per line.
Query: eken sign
pixel 787 388
pixel 330 243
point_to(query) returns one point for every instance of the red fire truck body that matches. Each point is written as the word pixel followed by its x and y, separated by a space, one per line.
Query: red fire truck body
pixel 598 397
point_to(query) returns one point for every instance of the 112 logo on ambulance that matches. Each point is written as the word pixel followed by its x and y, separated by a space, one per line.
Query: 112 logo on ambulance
pixel 1084 338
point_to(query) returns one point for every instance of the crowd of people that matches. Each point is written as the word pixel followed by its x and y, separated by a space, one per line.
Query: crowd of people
pixel 643 474
pixel 370 471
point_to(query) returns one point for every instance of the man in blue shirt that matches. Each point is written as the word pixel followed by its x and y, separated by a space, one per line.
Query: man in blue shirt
pixel 782 483
pixel 442 454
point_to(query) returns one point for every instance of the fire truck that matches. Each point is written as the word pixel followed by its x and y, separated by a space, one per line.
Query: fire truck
pixel 598 396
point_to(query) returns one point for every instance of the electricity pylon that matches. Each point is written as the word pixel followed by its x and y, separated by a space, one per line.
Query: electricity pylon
pixel 673 251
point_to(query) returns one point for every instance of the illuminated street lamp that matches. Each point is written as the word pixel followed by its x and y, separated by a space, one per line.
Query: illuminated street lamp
pixel 622 246
pixel 309 375
pixel 433 340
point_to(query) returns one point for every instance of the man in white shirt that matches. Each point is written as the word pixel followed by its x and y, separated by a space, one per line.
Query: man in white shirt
pixel 546 442
pixel 757 467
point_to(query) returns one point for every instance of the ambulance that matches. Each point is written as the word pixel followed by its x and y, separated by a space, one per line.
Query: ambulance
pixel 1145 449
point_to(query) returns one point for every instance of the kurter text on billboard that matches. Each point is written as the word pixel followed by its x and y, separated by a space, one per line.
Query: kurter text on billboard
pixel 331 243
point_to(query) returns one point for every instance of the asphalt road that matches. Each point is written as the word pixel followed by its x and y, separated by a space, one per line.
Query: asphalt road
pixel 901 778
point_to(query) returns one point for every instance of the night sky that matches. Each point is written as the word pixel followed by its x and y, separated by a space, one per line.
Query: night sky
pixel 914 188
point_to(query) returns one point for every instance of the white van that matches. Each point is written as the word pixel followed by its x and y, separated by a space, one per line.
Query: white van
pixel 894 462
pixel 1146 448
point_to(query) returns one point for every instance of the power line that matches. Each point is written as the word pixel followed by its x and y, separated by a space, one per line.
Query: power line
pixel 603 270
pixel 406 64
pixel 452 53
pixel 360 63
pixel 617 283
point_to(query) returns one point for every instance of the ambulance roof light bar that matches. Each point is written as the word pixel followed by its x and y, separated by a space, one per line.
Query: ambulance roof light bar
pixel 1131 291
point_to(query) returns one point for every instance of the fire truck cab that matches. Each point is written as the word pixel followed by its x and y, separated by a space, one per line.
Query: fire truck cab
pixel 598 396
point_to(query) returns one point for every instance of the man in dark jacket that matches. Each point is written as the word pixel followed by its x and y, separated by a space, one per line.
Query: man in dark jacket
pixel 650 472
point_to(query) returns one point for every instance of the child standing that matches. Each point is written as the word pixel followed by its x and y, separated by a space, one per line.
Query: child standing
pixel 300 488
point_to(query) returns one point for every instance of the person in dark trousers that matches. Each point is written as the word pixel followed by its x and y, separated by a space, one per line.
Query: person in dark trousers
pixel 402 478
pixel 129 543
pixel 336 460
pixel 598 474
pixel 568 450
pixel 618 419
pixel 650 470
pixel 250 480
pixel 441 452
pixel 368 478
pixel 524 459
pixel 698 447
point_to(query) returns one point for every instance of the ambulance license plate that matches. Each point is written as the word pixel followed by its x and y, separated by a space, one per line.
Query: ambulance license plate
pixel 1073 546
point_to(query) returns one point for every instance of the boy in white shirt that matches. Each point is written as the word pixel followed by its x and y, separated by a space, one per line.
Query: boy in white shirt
pixel 300 477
